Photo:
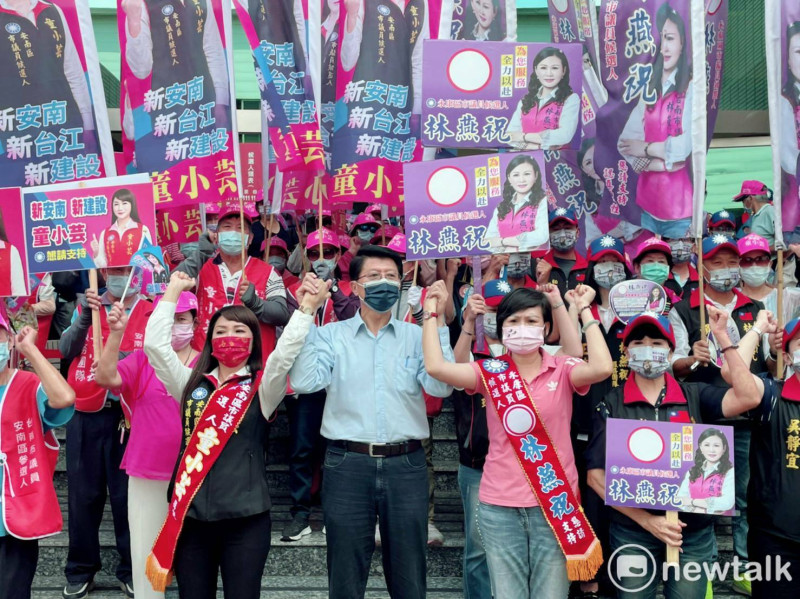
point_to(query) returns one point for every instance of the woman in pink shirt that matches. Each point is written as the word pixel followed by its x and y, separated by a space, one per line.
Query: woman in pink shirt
pixel 519 222
pixel 155 436
pixel 530 464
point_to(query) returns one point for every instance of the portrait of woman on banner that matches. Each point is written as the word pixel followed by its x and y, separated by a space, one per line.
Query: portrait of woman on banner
pixel 482 20
pixel 790 126
pixel 656 140
pixel 709 486
pixel 519 222
pixel 42 68
pixel 12 275
pixel 124 237
pixel 546 118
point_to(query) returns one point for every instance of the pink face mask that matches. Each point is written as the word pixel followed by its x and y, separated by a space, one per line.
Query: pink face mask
pixel 523 339
pixel 182 334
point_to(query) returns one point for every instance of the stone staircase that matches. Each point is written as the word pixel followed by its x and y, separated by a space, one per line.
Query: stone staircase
pixel 297 570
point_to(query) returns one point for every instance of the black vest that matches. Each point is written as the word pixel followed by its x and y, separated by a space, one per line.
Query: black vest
pixel 236 485
pixel 744 316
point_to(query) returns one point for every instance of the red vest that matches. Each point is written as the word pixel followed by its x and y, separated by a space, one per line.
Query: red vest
pixel 30 507
pixel 328 314
pixel 120 248
pixel 211 297
pixel 5 270
pixel 90 396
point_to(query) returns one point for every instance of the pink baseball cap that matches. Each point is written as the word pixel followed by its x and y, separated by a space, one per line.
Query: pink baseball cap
pixel 653 245
pixel 374 208
pixel 232 209
pixel 364 219
pixel 186 301
pixel 277 242
pixel 397 244
pixel 344 240
pixel 328 238
pixel 751 188
pixel 752 243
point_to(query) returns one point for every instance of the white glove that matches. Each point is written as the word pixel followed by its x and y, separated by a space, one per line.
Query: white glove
pixel 415 299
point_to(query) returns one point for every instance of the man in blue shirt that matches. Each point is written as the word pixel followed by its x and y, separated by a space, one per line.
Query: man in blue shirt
pixel 372 368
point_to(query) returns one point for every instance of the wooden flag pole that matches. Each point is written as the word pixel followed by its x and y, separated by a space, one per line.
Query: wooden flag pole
pixel 672 552
pixel 416 269
pixel 241 225
pixel 269 236
pixel 701 287
pixel 779 276
pixel 318 199
pixel 97 333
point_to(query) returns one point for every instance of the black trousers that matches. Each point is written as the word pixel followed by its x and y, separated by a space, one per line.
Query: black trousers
pixel 236 546
pixel 17 566
pixel 94 454
pixel 760 546
pixel 306 447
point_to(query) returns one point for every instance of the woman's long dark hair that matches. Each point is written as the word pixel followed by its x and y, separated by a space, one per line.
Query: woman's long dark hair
pixel 536 193
pixel 724 462
pixel 496 30
pixel 790 92
pixel 522 299
pixel 563 91
pixel 667 13
pixel 206 362
pixel 657 292
pixel 124 195
pixel 589 184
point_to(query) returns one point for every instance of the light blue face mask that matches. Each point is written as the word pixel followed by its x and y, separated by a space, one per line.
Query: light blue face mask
pixel 5 354
pixel 116 285
pixel 230 242
pixel 324 269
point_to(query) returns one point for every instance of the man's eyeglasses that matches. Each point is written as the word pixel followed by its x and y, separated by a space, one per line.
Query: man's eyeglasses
pixel 328 253
pixel 377 276
pixel 760 261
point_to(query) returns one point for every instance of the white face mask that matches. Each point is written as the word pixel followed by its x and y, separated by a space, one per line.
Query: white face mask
pixel 796 361
pixel 647 361
pixel 490 324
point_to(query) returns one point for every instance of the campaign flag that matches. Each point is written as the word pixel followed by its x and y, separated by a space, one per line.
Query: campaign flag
pixel 379 90
pixel 663 465
pixel 276 32
pixel 575 21
pixel 94 224
pixel 152 268
pixel 783 82
pixel 13 255
pixel 53 118
pixel 653 133
pixel 178 224
pixel 484 20
pixel 488 96
pixel 253 167
pixel 177 107
pixel 475 205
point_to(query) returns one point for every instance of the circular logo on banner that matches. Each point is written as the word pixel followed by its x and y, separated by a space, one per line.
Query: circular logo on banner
pixel 200 393
pixel 631 298
pixel 39 256
pixel 384 10
pixel 167 10
pixel 447 186
pixel 646 445
pixel 519 420
pixel 560 5
pixel 469 71
pixel 13 28
pixel 495 366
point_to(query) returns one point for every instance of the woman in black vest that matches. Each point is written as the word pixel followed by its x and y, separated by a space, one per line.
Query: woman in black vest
pixel 222 522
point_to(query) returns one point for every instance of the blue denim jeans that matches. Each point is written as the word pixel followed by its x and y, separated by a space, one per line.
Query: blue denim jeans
pixel 358 489
pixel 476 571
pixel 698 546
pixel 739 526
pixel 674 229
pixel 525 561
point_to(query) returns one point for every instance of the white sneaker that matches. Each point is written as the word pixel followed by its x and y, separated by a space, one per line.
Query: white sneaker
pixel 435 538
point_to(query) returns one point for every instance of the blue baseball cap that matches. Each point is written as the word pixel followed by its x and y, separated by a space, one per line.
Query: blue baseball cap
pixel 494 291
pixel 606 245
pixel 565 214
pixel 660 322
pixel 716 242
pixel 790 331
pixel 723 217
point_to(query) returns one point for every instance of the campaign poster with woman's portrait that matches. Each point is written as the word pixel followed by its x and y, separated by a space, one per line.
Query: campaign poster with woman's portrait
pixel 645 135
pixel 177 105
pixel 13 256
pixel 476 205
pixel 53 118
pixel 575 21
pixel 484 20
pixel 96 225
pixel 502 95
pixel 674 465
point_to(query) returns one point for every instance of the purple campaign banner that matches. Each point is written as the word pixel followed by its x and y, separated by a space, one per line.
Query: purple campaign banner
pixel 788 112
pixel 486 96
pixel 676 465
pixel 644 131
pixel 475 205
pixel 572 21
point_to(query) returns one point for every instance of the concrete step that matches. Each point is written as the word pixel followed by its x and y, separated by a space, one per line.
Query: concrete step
pixel 273 587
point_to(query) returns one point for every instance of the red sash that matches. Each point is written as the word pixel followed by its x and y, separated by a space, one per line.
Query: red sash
pixel 542 468
pixel 223 413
